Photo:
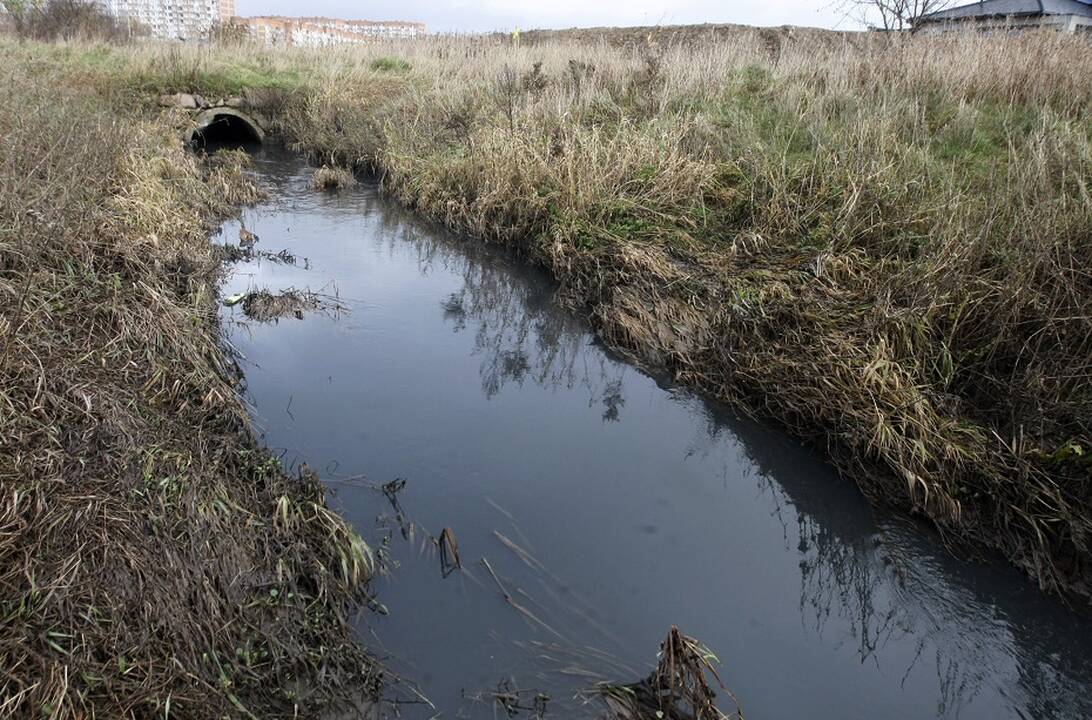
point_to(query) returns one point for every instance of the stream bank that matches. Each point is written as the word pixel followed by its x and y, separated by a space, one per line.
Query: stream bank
pixel 155 561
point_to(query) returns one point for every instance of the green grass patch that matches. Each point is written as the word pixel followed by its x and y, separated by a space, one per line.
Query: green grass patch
pixel 390 64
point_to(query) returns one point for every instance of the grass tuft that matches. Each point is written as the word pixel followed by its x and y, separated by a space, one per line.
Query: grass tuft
pixel 332 178
pixel 390 64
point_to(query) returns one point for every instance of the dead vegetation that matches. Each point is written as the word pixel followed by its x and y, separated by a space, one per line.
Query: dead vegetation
pixel 65 20
pixel 236 253
pixel 678 689
pixel 449 552
pixel 154 562
pixel 265 306
pixel 693 36
pixel 881 243
pixel 332 178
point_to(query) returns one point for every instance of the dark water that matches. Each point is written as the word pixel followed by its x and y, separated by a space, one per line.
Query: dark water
pixel 636 504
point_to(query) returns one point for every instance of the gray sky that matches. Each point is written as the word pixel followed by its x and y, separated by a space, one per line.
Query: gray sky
pixel 472 15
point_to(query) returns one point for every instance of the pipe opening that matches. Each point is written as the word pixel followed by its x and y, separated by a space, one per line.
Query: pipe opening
pixel 227 130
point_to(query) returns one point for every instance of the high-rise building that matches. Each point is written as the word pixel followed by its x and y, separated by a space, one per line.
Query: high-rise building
pixel 193 19
pixel 174 19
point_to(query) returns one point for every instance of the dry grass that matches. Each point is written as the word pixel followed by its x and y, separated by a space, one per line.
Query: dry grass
pixel 678 689
pixel 154 562
pixel 332 178
pixel 265 306
pixel 885 245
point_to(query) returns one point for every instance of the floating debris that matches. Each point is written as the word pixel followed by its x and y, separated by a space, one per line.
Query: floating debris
pixel 284 256
pixel 513 701
pixel 247 239
pixel 676 690
pixel 332 178
pixel 449 552
pixel 391 490
pixel 534 619
pixel 238 253
pixel 232 300
pixel 264 306
pixel 233 253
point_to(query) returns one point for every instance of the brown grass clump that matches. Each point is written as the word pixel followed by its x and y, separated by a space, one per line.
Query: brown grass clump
pixel 265 306
pixel 677 689
pixel 332 178
pixel 154 561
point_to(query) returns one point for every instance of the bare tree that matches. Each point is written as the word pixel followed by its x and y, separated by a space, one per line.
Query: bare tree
pixel 891 15
pixel 509 94
pixel 62 19
pixel 17 14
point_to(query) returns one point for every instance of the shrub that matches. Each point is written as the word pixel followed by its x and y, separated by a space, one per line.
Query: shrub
pixel 390 64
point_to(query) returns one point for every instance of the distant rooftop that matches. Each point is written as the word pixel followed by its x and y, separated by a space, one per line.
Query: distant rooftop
pixel 1012 8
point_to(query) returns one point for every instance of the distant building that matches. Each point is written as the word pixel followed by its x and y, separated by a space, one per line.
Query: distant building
pixel 173 19
pixel 1011 15
pixel 320 32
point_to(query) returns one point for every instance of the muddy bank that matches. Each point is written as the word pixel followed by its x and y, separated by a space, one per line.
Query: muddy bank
pixel 154 560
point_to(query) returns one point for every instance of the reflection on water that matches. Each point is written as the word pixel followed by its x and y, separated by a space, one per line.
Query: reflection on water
pixel 604 504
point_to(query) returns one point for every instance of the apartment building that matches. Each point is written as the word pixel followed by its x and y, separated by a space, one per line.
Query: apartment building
pixel 321 32
pixel 174 19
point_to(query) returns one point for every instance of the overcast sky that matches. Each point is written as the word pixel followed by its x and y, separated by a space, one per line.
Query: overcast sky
pixel 477 15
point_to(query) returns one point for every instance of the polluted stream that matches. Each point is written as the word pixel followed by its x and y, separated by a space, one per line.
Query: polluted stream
pixel 544 512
